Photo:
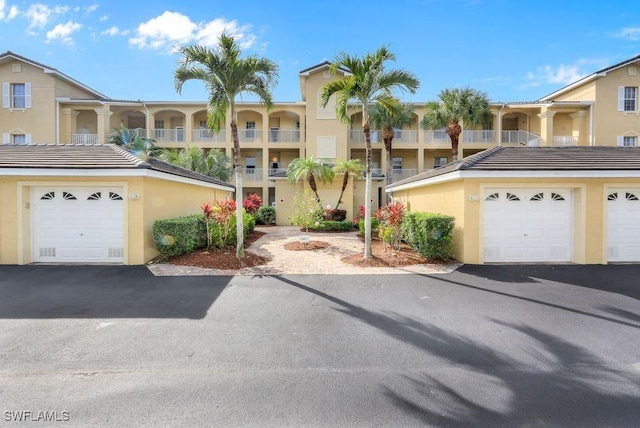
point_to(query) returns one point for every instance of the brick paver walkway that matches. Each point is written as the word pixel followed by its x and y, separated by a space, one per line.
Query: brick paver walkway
pixel 325 261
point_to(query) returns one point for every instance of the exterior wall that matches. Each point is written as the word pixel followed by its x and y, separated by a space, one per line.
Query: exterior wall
pixel 464 200
pixel 158 199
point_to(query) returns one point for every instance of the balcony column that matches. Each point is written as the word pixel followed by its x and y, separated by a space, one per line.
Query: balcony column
pixel 104 117
pixel 303 127
pixel 579 129
pixel 265 129
pixel 188 128
pixel 383 164
pixel 420 160
pixel 69 125
pixel 499 126
pixel 546 127
pixel 265 169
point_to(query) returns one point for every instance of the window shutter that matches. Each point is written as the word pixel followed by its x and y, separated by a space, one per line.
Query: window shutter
pixel 5 138
pixel 620 98
pixel 27 95
pixel 5 95
pixel 620 141
pixel 27 139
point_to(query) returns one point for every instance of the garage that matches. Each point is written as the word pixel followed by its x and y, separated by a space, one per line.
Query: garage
pixel 78 224
pixel 623 226
pixel 527 225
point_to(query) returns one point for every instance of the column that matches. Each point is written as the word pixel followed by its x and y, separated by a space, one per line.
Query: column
pixel 68 125
pixel 420 160
pixel 579 128
pixel 104 118
pixel 546 127
pixel 265 129
pixel 188 127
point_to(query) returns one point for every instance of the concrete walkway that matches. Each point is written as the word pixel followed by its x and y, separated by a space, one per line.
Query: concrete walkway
pixel 325 261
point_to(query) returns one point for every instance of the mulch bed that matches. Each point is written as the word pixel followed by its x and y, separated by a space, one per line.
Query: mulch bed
pixel 311 245
pixel 385 256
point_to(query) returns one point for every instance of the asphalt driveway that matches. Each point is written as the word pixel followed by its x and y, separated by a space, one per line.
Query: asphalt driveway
pixel 482 346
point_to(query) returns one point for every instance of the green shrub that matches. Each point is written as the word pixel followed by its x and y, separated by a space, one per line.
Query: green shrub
pixel 219 239
pixel 429 234
pixel 181 235
pixel 266 215
pixel 375 224
pixel 333 226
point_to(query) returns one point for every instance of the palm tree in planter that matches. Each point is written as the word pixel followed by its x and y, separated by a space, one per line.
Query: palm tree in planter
pixel 388 121
pixel 469 106
pixel 310 170
pixel 366 84
pixel 349 168
pixel 213 164
pixel 226 76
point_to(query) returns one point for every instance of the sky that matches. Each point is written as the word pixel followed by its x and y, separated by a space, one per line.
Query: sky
pixel 513 50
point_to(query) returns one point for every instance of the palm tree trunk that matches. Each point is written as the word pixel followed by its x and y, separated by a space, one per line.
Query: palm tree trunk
pixel 367 189
pixel 453 130
pixel 345 182
pixel 236 164
pixel 312 183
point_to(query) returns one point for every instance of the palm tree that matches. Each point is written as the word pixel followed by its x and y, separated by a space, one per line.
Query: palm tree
pixel 350 168
pixel 128 139
pixel 226 76
pixel 310 169
pixel 469 106
pixel 213 164
pixel 367 84
pixel 388 121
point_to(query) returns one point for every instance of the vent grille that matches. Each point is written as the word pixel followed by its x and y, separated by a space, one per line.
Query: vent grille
pixel 47 252
pixel 631 71
pixel 17 68
pixel 116 252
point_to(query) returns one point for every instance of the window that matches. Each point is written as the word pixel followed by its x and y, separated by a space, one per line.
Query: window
pixel 627 141
pixel 250 162
pixel 440 161
pixel 19 139
pixel 250 131
pixel 159 129
pixel 203 124
pixel 16 95
pixel 396 163
pixel 627 98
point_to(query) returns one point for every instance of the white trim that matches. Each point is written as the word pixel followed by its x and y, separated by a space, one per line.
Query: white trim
pixel 573 85
pixel 124 172
pixel 450 176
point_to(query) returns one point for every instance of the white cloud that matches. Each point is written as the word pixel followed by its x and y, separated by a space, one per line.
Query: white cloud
pixel 629 33
pixel 114 31
pixel 103 18
pixel 562 74
pixel 173 28
pixel 38 15
pixel 63 32
pixel 13 12
pixel 10 13
pixel 92 8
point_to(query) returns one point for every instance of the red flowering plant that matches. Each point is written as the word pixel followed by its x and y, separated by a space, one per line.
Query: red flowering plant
pixel 207 210
pixel 252 204
pixel 390 218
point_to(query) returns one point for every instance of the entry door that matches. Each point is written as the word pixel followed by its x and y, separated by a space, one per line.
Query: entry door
pixel 77 224
pixel 623 225
pixel 527 225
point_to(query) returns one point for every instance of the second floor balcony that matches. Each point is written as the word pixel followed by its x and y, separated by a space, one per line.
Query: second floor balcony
pixel 168 135
pixel 208 136
pixel 564 141
pixel 84 139
pixel 399 136
pixel 278 135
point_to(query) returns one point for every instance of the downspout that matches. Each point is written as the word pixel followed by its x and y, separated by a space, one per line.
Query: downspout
pixel 57 122
pixel 147 123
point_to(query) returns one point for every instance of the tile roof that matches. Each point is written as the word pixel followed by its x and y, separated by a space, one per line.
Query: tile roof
pixel 92 157
pixel 540 159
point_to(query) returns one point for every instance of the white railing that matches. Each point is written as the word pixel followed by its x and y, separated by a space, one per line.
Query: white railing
pixel 208 136
pixel 520 137
pixel 405 136
pixel 376 171
pixel 249 135
pixel 277 171
pixel 478 136
pixel 168 135
pixel 564 140
pixel 357 136
pixel 402 173
pixel 251 175
pixel 284 135
pixel 436 136
pixel 84 139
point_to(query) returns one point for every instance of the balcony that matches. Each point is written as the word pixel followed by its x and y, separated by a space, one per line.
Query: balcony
pixel 251 175
pixel 405 136
pixel 84 139
pixel 357 136
pixel 398 174
pixel 208 136
pixel 279 172
pixel 436 136
pixel 168 135
pixel 520 137
pixel 564 140
pixel 478 136
pixel 249 135
pixel 277 135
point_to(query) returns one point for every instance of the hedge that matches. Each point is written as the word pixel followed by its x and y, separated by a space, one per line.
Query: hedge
pixel 375 224
pixel 429 234
pixel 216 231
pixel 333 226
pixel 181 235
pixel 266 215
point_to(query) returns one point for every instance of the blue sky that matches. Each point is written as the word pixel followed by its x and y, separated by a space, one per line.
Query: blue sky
pixel 513 50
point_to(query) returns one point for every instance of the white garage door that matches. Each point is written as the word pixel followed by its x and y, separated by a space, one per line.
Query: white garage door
pixel 78 224
pixel 623 225
pixel 527 225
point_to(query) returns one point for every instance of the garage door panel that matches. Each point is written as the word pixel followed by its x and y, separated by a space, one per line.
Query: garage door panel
pixel 527 225
pixel 623 225
pixel 77 224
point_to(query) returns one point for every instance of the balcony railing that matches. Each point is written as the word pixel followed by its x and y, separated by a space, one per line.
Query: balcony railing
pixel 168 135
pixel 564 140
pixel 520 137
pixel 249 135
pixel 405 136
pixel 398 174
pixel 208 136
pixel 84 139
pixel 478 136
pixel 357 136
pixel 436 136
pixel 284 135
pixel 251 175
pixel 277 171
